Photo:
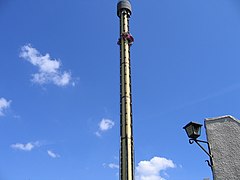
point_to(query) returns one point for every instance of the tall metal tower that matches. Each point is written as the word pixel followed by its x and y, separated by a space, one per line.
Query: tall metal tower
pixel 125 41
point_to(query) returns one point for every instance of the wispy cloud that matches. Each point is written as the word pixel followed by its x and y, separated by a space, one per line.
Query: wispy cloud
pixel 52 154
pixel 4 104
pixel 150 170
pixel 104 125
pixel 111 165
pixel 26 147
pixel 48 69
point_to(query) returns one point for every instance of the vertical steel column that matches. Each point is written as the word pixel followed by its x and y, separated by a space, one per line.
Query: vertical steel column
pixel 125 41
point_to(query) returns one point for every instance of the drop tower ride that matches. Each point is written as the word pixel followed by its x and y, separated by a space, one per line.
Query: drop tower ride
pixel 126 132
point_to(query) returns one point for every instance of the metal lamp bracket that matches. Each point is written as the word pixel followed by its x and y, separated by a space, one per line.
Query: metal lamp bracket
pixel 210 162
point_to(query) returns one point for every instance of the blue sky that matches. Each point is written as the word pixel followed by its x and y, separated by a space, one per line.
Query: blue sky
pixel 59 90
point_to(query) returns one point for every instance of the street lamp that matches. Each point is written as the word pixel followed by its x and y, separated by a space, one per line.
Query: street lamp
pixel 193 131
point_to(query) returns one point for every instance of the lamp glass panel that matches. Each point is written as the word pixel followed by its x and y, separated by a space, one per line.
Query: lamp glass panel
pixel 197 130
pixel 189 130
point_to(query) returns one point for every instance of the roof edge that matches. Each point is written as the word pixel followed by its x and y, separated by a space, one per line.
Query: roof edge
pixel 221 118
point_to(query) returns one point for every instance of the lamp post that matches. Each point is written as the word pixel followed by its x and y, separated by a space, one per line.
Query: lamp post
pixel 193 131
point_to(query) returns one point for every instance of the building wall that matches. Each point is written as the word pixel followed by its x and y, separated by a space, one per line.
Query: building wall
pixel 223 134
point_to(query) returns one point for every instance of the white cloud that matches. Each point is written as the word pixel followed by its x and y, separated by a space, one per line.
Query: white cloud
pixel 104 125
pixel 48 69
pixel 52 154
pixel 4 104
pixel 113 166
pixel 150 170
pixel 25 147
